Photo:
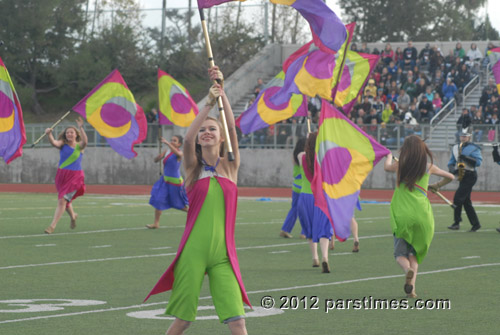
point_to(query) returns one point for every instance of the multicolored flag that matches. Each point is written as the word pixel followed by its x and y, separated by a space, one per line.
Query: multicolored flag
pixel 312 72
pixel 176 105
pixel 12 133
pixel 494 56
pixel 327 28
pixel 345 155
pixel 357 70
pixel 210 3
pixel 263 113
pixel 111 109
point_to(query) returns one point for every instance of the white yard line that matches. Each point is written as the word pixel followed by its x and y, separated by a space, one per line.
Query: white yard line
pixel 142 306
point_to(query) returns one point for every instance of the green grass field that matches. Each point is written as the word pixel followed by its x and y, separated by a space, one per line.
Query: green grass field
pixel 92 280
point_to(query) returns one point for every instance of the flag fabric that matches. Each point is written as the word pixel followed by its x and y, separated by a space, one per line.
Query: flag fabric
pixel 327 28
pixel 263 113
pixel 176 105
pixel 345 155
pixel 494 56
pixel 311 71
pixel 210 3
pixel 111 109
pixel 12 133
pixel 357 70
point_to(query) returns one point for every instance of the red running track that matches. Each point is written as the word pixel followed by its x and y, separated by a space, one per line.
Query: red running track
pixel 378 195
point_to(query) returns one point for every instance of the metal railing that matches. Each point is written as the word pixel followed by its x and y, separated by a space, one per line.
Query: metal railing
pixel 471 86
pixel 446 110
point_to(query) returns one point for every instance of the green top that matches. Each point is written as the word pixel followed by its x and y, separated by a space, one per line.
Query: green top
pixel 411 216
pixel 297 179
pixel 306 185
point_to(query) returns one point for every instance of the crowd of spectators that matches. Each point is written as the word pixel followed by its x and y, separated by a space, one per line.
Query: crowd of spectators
pixel 407 89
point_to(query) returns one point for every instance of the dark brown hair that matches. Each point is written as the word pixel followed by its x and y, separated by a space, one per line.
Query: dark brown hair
pixel 412 161
pixel 179 137
pixel 62 136
pixel 299 147
pixel 310 152
pixel 190 180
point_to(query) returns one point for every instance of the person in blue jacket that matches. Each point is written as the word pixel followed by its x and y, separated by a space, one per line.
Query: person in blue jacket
pixel 465 158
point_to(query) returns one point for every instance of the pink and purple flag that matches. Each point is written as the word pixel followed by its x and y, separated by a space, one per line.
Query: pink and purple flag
pixel 210 3
pixel 327 28
pixel 345 155
pixel 263 113
pixel 176 105
pixel 111 109
pixel 494 56
pixel 357 70
pixel 312 72
pixel 12 133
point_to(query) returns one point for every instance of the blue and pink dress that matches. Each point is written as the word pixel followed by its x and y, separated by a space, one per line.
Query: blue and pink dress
pixel 315 223
pixel 70 179
pixel 168 191
pixel 292 213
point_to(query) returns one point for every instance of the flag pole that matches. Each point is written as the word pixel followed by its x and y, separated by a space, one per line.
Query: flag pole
pixel 52 127
pixel 219 99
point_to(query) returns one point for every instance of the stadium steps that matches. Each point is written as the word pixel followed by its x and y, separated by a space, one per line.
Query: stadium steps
pixel 444 134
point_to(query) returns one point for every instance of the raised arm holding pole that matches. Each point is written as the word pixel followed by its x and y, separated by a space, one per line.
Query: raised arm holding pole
pixel 52 127
pixel 220 106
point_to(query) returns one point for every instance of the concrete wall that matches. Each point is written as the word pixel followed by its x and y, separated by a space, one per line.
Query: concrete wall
pixel 259 167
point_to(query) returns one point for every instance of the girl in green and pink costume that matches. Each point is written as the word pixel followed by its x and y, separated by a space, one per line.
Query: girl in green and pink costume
pixel 207 244
pixel 70 179
pixel 412 221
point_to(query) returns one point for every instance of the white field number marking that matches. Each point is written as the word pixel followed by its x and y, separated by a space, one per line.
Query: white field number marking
pixel 43 305
pixel 159 314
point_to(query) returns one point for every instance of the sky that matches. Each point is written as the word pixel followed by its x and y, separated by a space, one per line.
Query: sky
pixel 493 7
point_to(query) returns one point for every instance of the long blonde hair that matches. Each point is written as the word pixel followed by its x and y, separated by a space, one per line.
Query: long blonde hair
pixel 191 179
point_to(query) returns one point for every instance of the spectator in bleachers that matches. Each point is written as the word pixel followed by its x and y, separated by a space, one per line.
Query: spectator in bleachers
pixel 486 59
pixel 425 55
pixel 403 100
pixel 449 89
pixel 459 51
pixel 438 79
pixel 392 68
pixel 393 95
pixel 437 103
pixel 387 113
pixel 373 128
pixel 494 122
pixel 370 89
pixel 354 47
pixel 258 87
pixel 421 87
pixel 410 55
pixel 415 113
pixel 399 77
pixel 463 76
pixel 387 54
pixel 474 57
pixel 485 98
pixel 381 92
pixel 366 105
pixel 410 87
pixel 378 104
pixel 361 124
pixel 449 60
pixel 477 124
pixel 436 59
pixel 429 93
pixel 364 48
pixel 425 104
pixel 373 115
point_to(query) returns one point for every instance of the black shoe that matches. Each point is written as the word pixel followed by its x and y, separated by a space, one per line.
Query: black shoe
pixel 474 228
pixel 498 230
pixel 454 226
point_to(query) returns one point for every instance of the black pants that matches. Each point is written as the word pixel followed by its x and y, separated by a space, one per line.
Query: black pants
pixel 462 198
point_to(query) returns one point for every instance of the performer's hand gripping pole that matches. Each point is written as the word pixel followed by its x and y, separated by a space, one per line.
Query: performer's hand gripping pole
pixel 230 153
pixel 52 127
